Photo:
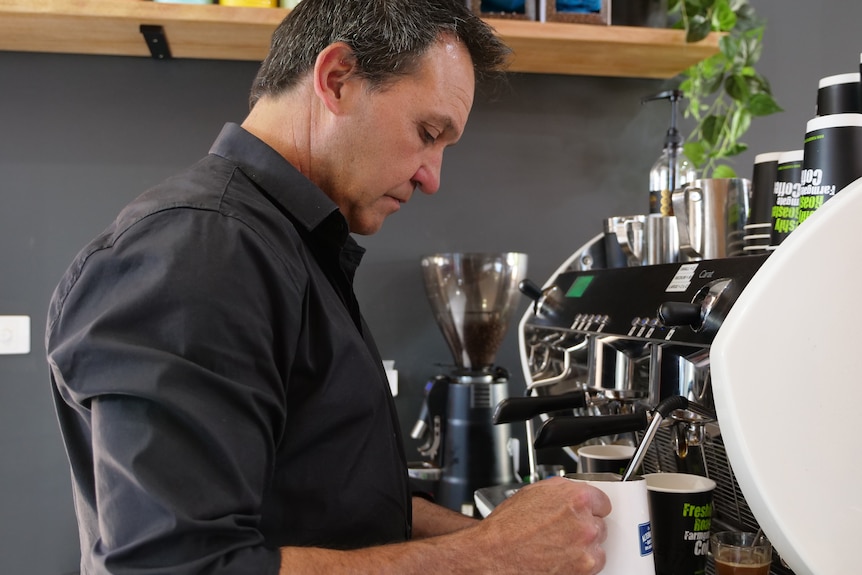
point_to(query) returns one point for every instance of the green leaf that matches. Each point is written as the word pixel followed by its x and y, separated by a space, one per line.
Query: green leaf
pixel 740 123
pixel 698 6
pixel 751 49
pixel 695 152
pixel 758 84
pixel 711 128
pixel 763 105
pixel 746 19
pixel 736 87
pixel 724 19
pixel 729 47
pixel 685 85
pixel 723 171
pixel 699 28
pixel 736 149
pixel 736 5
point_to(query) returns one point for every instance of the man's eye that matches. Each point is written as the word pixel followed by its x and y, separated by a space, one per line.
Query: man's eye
pixel 428 137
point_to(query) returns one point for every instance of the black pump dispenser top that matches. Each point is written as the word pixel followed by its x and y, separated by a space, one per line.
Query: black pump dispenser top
pixel 672 168
pixel 672 138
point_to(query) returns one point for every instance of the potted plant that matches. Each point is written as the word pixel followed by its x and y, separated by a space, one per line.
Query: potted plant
pixel 724 92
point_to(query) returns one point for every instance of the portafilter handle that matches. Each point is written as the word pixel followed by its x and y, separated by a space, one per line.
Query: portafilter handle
pixel 524 408
pixel 566 431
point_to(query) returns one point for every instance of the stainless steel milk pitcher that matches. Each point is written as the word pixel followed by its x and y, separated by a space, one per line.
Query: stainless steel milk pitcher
pixel 712 214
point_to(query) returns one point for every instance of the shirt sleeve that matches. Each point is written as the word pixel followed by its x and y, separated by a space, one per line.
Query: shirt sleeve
pixel 163 351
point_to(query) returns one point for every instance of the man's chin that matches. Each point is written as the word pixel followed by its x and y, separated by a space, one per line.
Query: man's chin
pixel 368 227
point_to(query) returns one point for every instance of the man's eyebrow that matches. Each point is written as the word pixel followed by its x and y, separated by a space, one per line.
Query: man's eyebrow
pixel 445 122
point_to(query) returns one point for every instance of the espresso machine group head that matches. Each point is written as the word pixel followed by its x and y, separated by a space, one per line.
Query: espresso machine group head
pixel 473 297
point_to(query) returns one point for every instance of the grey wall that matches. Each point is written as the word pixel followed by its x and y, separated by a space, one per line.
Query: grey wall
pixel 536 171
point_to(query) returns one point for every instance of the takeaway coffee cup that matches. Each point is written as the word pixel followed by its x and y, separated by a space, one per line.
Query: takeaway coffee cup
pixel 839 94
pixel 681 515
pixel 712 214
pixel 628 547
pixel 833 159
pixel 604 458
pixel 785 197
pixel 758 230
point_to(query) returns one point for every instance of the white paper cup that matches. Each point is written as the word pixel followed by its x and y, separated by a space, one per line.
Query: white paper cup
pixel 832 159
pixel 839 94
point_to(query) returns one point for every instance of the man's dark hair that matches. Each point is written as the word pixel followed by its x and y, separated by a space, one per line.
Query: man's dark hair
pixel 388 37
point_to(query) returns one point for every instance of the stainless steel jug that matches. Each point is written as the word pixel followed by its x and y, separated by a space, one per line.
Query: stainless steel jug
pixel 712 214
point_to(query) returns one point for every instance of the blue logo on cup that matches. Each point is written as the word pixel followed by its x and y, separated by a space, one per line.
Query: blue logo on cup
pixel 645 534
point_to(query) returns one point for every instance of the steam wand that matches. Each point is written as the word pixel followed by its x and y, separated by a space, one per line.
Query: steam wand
pixel 662 410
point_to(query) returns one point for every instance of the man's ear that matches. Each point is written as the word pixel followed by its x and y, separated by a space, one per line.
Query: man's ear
pixel 335 65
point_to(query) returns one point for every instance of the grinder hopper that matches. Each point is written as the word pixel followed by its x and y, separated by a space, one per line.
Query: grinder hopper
pixel 473 297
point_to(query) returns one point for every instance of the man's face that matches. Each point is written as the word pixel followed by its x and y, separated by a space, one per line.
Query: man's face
pixel 392 142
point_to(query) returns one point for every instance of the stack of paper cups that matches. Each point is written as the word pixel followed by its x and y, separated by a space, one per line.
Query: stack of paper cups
pixel 758 230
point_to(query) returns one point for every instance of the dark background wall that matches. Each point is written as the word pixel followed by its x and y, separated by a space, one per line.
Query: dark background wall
pixel 536 172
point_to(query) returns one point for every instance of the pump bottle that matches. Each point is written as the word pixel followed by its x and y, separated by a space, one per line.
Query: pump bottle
pixel 672 169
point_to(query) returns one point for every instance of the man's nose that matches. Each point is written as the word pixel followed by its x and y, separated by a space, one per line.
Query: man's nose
pixel 427 177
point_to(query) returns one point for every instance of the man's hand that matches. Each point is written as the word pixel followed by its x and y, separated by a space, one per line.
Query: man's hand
pixel 554 526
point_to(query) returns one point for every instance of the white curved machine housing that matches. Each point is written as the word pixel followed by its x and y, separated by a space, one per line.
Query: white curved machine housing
pixel 786 383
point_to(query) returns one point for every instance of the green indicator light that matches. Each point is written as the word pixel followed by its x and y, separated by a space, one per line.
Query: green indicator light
pixel 579 286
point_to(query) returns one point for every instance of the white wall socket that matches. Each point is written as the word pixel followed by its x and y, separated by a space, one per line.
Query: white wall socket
pixel 14 334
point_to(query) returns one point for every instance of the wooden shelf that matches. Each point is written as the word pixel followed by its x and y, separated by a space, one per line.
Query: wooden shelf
pixel 112 27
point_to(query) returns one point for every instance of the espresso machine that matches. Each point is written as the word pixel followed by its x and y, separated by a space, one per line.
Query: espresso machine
pixel 638 334
pixel 473 297
pixel 760 346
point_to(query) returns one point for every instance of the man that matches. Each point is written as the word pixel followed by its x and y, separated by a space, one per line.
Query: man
pixel 223 404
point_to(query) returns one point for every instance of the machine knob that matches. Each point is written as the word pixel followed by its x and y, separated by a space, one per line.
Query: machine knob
pixel 706 310
pixel 676 314
pixel 545 302
pixel 530 289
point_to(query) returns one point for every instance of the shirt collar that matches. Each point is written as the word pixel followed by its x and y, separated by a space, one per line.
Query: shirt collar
pixel 291 190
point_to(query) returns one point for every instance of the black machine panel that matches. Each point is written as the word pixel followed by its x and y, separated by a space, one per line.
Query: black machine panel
pixel 680 303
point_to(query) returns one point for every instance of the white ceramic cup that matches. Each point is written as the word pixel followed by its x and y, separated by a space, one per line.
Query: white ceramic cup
pixel 604 458
pixel 628 547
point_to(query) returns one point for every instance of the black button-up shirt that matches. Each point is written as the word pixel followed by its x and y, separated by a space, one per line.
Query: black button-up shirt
pixel 218 391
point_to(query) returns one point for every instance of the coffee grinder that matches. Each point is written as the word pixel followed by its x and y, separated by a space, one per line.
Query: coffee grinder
pixel 473 297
